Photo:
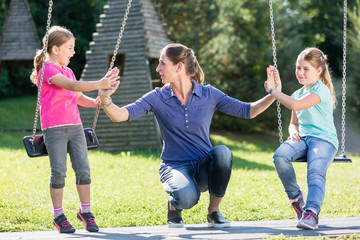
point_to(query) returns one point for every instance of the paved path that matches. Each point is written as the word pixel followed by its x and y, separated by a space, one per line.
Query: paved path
pixel 329 227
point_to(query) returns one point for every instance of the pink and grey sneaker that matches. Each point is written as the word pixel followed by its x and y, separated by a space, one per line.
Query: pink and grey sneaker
pixel 89 221
pixel 309 221
pixel 298 205
pixel 63 225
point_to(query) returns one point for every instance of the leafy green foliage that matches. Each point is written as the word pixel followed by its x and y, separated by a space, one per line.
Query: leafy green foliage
pixel 353 59
pixel 232 42
pixel 78 16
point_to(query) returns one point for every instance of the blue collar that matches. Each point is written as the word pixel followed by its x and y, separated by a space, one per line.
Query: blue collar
pixel 168 93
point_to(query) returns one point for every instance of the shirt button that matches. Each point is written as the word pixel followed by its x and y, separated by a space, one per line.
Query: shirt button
pixel 186 115
pixel 186 121
pixel 185 108
pixel 187 126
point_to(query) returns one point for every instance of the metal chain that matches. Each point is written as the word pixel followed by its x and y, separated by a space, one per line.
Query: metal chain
pixel 42 69
pixel 275 66
pixel 344 83
pixel 114 56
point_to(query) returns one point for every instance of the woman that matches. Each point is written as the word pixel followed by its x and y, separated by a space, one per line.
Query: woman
pixel 184 108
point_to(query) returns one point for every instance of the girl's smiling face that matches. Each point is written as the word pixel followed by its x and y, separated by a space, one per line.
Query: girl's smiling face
pixel 65 52
pixel 306 74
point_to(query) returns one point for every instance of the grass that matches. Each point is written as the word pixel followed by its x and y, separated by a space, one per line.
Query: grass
pixel 126 189
pixel 18 112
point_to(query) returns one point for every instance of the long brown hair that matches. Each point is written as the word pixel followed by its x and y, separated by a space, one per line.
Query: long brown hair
pixel 318 59
pixel 177 52
pixel 57 37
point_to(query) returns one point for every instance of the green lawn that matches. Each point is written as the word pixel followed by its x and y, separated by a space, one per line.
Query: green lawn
pixel 126 190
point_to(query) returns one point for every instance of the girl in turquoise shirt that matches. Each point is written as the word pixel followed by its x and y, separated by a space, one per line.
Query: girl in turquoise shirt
pixel 312 133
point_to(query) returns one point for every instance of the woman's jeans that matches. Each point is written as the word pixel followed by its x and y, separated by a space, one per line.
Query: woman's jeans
pixel 185 183
pixel 319 154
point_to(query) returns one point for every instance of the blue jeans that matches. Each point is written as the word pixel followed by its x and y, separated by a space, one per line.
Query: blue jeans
pixel 319 154
pixel 185 183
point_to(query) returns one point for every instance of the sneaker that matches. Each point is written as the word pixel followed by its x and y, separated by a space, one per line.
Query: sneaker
pixel 174 218
pixel 89 221
pixel 309 221
pixel 298 205
pixel 216 220
pixel 63 225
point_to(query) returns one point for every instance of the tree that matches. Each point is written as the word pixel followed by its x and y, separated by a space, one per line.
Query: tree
pixel 78 16
pixel 353 88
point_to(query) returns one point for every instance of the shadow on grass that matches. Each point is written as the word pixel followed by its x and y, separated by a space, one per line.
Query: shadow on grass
pixel 240 163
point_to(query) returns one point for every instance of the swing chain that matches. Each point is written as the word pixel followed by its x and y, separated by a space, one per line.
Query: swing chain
pixel 342 152
pixel 114 55
pixel 42 70
pixel 275 66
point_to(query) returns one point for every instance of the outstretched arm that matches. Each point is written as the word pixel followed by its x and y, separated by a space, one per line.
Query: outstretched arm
pixel 261 105
pixel 305 102
pixel 108 81
pixel 115 113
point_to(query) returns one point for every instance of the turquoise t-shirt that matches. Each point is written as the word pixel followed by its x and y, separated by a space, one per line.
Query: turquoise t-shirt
pixel 318 120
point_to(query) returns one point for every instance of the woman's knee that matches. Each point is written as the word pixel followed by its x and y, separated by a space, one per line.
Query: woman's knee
pixel 184 199
pixel 222 154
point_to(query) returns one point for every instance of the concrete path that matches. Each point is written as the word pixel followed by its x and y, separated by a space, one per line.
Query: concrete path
pixel 329 227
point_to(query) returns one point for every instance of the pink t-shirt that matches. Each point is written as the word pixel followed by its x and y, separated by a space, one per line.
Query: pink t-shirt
pixel 58 106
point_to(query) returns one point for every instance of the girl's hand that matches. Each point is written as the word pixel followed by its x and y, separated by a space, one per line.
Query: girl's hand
pixel 295 136
pixel 97 101
pixel 270 83
pixel 110 79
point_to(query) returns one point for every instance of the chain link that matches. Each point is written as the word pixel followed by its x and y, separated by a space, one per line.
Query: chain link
pixel 342 151
pixel 275 66
pixel 44 50
pixel 122 29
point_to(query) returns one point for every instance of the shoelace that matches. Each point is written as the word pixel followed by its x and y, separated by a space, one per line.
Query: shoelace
pixel 307 216
pixel 65 224
pixel 296 206
pixel 92 221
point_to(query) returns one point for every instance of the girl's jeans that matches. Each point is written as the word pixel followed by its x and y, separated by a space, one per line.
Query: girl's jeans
pixel 59 141
pixel 319 153
pixel 185 183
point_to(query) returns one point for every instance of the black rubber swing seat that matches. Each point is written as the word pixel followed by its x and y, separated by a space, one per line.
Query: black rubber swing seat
pixel 341 159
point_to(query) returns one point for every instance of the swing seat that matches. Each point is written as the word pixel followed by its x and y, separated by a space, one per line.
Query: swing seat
pixel 38 148
pixel 341 159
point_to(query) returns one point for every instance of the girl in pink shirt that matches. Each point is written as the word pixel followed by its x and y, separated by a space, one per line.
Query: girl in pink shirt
pixel 61 123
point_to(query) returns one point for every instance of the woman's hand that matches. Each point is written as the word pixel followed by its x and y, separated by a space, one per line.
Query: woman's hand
pixel 105 94
pixel 110 79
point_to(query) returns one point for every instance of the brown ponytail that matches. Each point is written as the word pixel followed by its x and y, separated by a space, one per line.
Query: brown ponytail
pixel 38 59
pixel 179 53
